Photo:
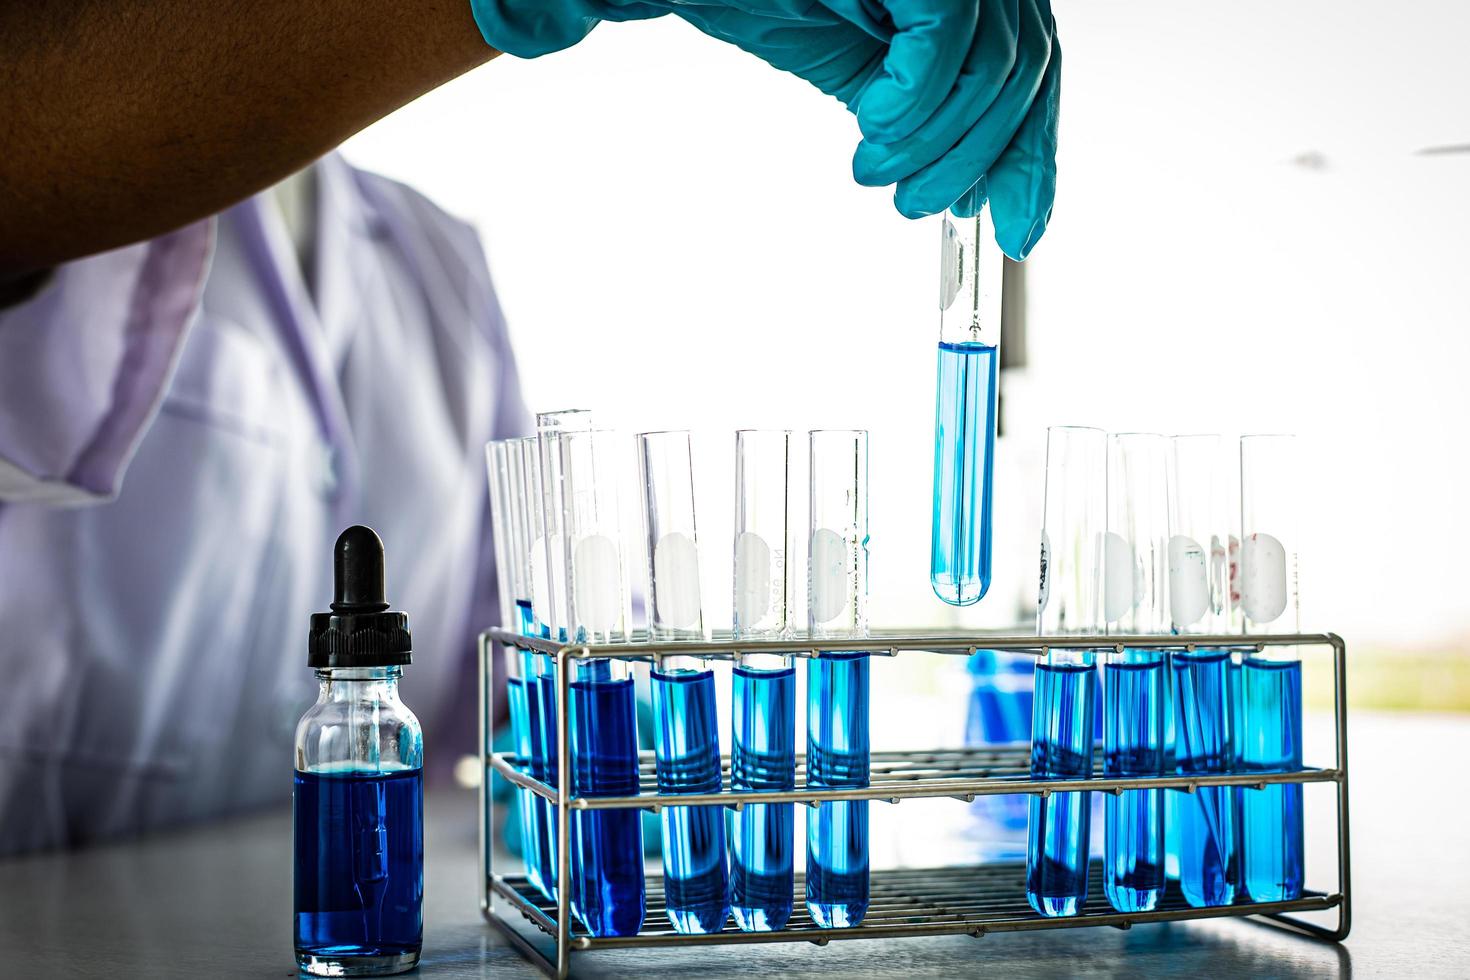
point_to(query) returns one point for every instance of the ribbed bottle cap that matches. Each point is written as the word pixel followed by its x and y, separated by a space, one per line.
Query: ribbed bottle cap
pixel 360 630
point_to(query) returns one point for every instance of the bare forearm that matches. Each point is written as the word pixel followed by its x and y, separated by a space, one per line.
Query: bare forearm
pixel 122 119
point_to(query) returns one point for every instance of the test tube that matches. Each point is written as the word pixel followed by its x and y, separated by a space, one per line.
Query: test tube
pixel 546 572
pixel 686 729
pixel 1271 681
pixel 1135 601
pixel 763 722
pixel 965 404
pixel 1069 603
pixel 508 505
pixel 608 894
pixel 1204 722
pixel 548 426
pixel 837 682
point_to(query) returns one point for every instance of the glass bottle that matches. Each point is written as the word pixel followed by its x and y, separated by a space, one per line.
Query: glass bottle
pixel 359 804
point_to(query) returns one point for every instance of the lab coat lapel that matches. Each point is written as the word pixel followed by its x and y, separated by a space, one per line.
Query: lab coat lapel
pixel 306 340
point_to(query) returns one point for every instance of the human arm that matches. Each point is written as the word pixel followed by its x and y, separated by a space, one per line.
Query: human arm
pixel 124 119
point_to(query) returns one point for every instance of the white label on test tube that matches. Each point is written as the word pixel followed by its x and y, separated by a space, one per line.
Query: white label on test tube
pixel 831 561
pixel 950 258
pixel 752 578
pixel 1119 589
pixel 1263 578
pixel 1189 582
pixel 676 580
pixel 595 578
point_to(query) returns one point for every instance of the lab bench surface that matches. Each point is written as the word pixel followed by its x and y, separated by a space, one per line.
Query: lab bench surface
pixel 216 900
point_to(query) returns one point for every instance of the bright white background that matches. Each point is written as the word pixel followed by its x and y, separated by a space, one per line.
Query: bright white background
pixel 1245 238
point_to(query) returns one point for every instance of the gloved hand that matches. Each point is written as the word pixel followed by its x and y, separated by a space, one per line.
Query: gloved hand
pixel 531 28
pixel 956 99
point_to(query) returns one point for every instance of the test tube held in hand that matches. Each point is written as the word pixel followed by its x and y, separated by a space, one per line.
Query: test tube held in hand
pixel 965 408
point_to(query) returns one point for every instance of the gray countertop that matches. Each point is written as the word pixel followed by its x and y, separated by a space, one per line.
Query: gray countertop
pixel 216 900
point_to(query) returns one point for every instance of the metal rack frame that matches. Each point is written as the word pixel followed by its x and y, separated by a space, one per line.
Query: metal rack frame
pixel 907 902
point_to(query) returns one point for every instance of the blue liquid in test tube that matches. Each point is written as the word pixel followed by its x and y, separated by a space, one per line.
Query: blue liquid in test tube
pixel 837 756
pixel 1272 743
pixel 607 845
pixel 1171 796
pixel 1208 863
pixel 964 443
pixel 763 758
pixel 1060 826
pixel 965 409
pixel 687 746
pixel 538 816
pixel 1133 698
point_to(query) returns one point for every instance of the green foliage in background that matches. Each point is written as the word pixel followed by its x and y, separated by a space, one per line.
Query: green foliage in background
pixel 1397 680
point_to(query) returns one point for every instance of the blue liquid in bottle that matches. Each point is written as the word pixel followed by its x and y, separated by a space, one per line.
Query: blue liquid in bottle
pixel 607 845
pixel 964 442
pixel 837 756
pixel 763 758
pixel 1133 745
pixel 1208 867
pixel 687 748
pixel 1060 826
pixel 1272 743
pixel 359 863
pixel 1000 714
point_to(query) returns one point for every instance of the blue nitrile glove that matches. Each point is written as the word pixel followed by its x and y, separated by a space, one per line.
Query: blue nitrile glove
pixel 531 28
pixel 956 99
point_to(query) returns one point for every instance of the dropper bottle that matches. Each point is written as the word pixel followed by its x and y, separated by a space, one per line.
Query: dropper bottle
pixel 359 800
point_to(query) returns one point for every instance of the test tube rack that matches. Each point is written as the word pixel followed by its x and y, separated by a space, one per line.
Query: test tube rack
pixel 973 901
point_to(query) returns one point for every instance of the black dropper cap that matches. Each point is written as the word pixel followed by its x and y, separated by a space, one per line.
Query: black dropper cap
pixel 360 631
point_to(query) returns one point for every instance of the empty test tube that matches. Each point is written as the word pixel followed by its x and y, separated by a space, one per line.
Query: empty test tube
pixel 965 408
pixel 837 682
pixel 686 741
pixel 1069 603
pixel 1204 722
pixel 1271 679
pixel 608 894
pixel 1135 601
pixel 763 719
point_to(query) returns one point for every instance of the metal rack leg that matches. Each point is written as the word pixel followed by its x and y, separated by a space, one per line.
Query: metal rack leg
pixel 564 819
